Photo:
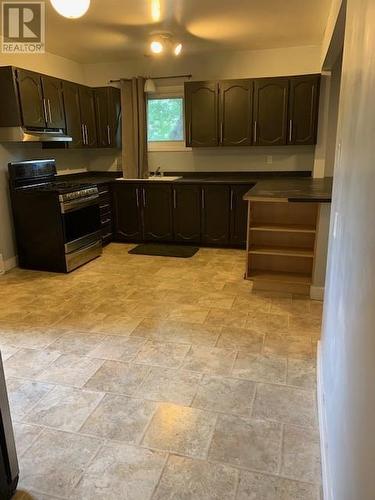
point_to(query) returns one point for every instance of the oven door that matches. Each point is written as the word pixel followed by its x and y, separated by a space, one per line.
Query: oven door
pixel 81 226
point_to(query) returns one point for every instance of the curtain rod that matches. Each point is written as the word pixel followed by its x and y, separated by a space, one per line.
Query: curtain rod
pixel 153 78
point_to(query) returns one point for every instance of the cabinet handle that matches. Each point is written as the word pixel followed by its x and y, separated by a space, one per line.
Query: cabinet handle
pixel 144 198
pixel 221 132
pixel 255 131
pixel 49 110
pixel 45 111
pixel 137 196
pixel 189 134
pixel 87 135
pixel 290 130
pixel 231 199
pixel 203 199
pixel 109 135
pixel 174 199
pixel 83 134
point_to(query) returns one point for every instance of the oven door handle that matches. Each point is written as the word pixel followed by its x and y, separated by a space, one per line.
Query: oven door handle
pixel 70 206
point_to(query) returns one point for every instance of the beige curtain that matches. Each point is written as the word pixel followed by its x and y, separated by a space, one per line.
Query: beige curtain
pixel 134 129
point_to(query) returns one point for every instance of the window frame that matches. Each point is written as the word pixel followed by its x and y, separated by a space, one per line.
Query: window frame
pixel 168 93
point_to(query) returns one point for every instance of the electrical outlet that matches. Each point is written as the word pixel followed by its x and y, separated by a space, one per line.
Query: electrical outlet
pixel 269 159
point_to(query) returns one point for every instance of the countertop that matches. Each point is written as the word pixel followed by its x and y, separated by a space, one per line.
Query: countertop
pixel 292 189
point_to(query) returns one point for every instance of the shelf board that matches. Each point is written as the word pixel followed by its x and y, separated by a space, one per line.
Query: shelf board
pixel 293 278
pixel 282 251
pixel 284 228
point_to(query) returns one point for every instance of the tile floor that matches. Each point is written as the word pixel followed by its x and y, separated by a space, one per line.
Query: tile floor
pixel 143 377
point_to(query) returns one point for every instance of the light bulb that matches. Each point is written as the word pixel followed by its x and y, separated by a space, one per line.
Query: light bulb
pixel 71 8
pixel 177 50
pixel 156 47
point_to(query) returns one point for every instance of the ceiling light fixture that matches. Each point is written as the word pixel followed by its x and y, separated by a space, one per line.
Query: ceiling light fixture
pixel 177 49
pixel 72 9
pixel 150 87
pixel 156 47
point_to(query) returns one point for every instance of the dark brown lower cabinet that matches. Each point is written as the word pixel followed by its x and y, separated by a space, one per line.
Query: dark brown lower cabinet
pixel 215 214
pixel 187 213
pixel 157 212
pixel 238 214
pixel 127 220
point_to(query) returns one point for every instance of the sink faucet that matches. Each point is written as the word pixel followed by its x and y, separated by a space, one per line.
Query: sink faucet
pixel 158 172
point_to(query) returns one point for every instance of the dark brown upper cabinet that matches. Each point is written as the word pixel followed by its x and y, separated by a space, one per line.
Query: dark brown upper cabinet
pixel 54 106
pixel 87 104
pixel 33 107
pixel 236 109
pixel 303 109
pixel 74 126
pixel 201 114
pixel 108 116
pixel 187 213
pixel 271 111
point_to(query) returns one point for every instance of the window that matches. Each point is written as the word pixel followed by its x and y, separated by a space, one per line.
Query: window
pixel 165 122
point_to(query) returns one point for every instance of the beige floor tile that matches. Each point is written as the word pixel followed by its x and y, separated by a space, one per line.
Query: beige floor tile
pixel 222 318
pixel 25 435
pixel 249 443
pixel 257 486
pixel 212 360
pixel 251 304
pixel 24 394
pixel 191 314
pixel 172 386
pixel 115 324
pixel 117 348
pixel 119 377
pixel 302 373
pixel 268 322
pixel 180 429
pixel 241 338
pixel 301 454
pixel 288 345
pixel 32 338
pixel 163 354
pixel 119 418
pixel 70 369
pixel 55 462
pixel 7 350
pixel 261 368
pixel 290 305
pixel 120 472
pixel 290 405
pixel 227 395
pixel 65 408
pixel 76 343
pixel 177 331
pixel 220 300
pixel 28 363
pixel 305 325
pixel 188 479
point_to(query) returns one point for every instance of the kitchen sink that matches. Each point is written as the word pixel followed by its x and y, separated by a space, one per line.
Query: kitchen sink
pixel 164 178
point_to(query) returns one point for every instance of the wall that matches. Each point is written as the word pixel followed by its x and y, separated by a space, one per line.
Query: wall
pixel 66 160
pixel 240 64
pixel 347 362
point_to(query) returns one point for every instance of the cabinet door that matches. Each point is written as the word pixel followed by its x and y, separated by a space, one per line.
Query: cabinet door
pixel 52 92
pixel 303 109
pixel 31 99
pixel 270 111
pixel 127 220
pixel 201 114
pixel 87 105
pixel 238 209
pixel 114 117
pixel 102 117
pixel 157 212
pixel 236 112
pixel 187 213
pixel 73 114
pixel 215 214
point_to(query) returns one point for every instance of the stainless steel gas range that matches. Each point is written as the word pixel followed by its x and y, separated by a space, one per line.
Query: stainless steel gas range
pixel 57 224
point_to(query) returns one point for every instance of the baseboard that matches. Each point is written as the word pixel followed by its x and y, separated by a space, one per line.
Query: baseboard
pixel 316 292
pixel 327 491
pixel 10 263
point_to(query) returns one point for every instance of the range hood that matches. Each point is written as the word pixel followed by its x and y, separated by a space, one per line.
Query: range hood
pixel 21 134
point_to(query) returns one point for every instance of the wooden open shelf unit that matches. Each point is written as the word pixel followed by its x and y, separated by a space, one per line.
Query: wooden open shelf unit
pixel 281 245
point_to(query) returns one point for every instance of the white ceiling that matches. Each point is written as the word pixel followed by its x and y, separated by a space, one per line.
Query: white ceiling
pixel 119 29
